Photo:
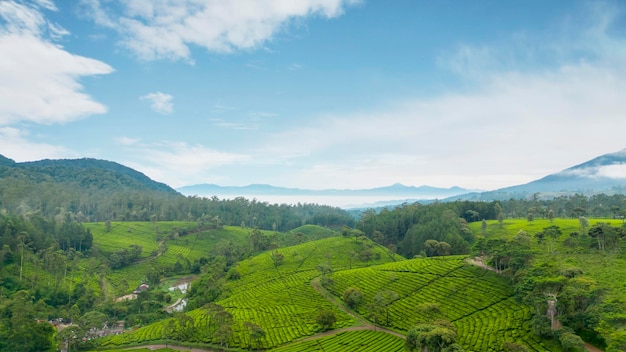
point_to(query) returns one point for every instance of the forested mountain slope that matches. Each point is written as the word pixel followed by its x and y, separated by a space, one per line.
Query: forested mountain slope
pixel 88 190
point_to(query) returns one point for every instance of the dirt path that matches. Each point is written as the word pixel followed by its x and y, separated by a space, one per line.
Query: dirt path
pixel 591 348
pixel 104 286
pixel 478 261
pixel 171 307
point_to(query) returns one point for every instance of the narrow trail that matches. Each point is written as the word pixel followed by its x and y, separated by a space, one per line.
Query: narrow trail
pixel 104 286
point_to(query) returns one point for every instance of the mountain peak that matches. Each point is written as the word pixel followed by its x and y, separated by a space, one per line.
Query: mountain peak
pixel 4 161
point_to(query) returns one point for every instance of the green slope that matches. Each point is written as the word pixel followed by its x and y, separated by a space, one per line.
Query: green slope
pixel 479 303
pixel 592 290
pixel 349 341
pixel 277 297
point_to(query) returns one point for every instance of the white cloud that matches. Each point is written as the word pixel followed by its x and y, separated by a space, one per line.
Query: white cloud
pixel 160 102
pixel 535 108
pixel 167 29
pixel 127 141
pixel 176 163
pixel 47 4
pixel 231 125
pixel 39 79
pixel 16 144
pixel 515 126
pixel 612 171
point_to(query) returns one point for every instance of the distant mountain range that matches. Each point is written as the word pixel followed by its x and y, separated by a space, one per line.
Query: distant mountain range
pixel 396 190
pixel 83 183
pixel 604 174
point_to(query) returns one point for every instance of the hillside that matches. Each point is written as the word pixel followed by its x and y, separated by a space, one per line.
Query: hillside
pixel 477 302
pixel 578 262
pixel 90 190
pixel 83 188
pixel 272 293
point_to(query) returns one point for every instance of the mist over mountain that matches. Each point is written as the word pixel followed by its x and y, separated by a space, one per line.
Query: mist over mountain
pixel 396 190
pixel 603 174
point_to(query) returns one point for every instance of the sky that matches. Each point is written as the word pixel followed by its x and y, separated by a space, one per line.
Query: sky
pixel 315 94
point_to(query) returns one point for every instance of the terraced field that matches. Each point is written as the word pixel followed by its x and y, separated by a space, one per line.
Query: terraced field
pixel 478 302
pixel 277 297
pixel 349 341
pixel 160 248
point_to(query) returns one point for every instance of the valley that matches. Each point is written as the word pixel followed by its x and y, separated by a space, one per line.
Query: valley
pixel 538 274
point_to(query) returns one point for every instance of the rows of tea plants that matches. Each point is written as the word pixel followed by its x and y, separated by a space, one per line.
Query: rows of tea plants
pixel 124 234
pixel 160 248
pixel 349 341
pixel 478 302
pixel 278 295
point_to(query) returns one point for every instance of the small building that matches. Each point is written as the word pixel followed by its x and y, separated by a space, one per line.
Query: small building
pixel 141 288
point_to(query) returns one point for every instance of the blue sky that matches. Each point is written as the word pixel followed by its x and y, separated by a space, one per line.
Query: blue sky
pixel 315 93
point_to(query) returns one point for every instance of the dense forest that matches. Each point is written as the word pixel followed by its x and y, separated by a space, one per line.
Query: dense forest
pixel 88 190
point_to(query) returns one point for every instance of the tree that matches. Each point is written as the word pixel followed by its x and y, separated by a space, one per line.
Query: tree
pixel 437 337
pixel 326 319
pixel 607 236
pixel 70 336
pixel 255 333
pixel 381 303
pixel 551 215
pixel 277 258
pixel 472 215
pixel 484 227
pixel 353 297
pixel 584 224
pixel 223 334
pixel 571 342
pixel 430 247
pixel 181 327
pixel 378 237
pixel 500 218
pixel 443 248
pixel 552 232
pixel 93 319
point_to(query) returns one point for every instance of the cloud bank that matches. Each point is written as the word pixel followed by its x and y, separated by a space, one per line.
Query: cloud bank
pixel 174 162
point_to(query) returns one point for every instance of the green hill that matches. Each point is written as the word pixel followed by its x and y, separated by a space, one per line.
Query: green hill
pixel 271 292
pixel 578 263
pixel 349 341
pixel 85 189
pixel 478 302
